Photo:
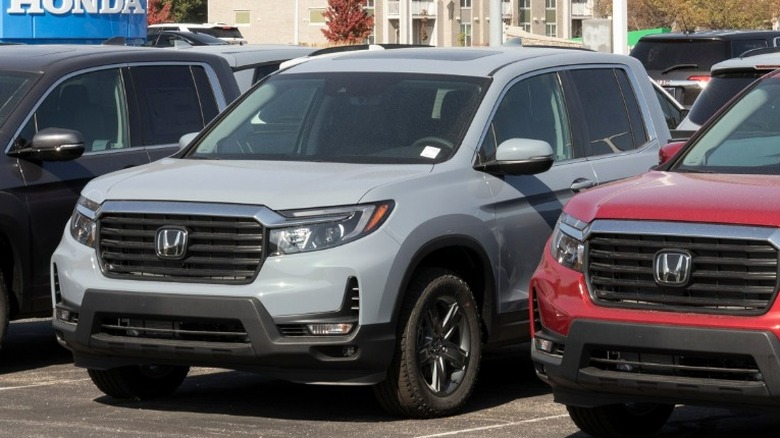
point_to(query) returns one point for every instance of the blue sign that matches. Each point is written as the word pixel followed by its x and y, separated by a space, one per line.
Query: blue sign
pixel 72 21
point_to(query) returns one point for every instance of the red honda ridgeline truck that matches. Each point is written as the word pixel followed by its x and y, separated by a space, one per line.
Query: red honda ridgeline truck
pixel 662 289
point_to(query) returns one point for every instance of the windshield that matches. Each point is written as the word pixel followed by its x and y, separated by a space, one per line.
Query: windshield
pixel 13 86
pixel 347 117
pixel 720 89
pixel 745 139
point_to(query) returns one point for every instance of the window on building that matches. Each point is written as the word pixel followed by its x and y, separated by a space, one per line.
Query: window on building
pixel 464 37
pixel 525 15
pixel 465 3
pixel 242 18
pixel 550 18
pixel 316 17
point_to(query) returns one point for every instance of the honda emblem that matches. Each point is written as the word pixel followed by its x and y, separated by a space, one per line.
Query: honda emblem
pixel 171 243
pixel 672 268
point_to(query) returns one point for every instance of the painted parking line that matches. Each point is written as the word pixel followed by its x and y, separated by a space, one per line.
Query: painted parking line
pixel 495 426
pixel 58 382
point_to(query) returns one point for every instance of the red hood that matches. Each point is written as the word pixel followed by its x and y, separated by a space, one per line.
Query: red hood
pixel 684 197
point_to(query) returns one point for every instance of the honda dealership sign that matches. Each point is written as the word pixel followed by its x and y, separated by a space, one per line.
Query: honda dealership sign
pixel 72 21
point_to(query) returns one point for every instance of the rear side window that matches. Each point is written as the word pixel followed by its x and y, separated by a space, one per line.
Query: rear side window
pixel 172 101
pixel 661 55
pixel 610 112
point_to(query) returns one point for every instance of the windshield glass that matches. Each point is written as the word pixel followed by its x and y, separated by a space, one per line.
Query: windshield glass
pixel 347 117
pixel 745 139
pixel 13 86
pixel 719 90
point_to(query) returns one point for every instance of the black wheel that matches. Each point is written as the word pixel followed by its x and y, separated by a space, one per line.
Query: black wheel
pixel 635 420
pixel 5 309
pixel 140 382
pixel 439 348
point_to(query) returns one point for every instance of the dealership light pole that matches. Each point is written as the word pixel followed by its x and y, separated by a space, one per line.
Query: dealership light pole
pixel 620 27
pixel 496 23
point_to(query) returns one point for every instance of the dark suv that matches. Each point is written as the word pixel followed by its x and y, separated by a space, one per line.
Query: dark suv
pixel 681 62
pixel 70 113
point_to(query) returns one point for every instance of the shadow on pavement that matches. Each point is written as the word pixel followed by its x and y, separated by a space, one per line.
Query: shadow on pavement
pixel 31 344
pixel 505 376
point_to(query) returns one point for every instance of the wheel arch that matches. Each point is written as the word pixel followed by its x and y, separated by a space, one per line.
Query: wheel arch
pixel 464 256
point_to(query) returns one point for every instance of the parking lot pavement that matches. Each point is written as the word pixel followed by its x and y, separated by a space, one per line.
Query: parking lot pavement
pixel 43 395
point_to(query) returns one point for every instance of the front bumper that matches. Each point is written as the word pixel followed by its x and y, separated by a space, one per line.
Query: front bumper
pixel 606 362
pixel 234 333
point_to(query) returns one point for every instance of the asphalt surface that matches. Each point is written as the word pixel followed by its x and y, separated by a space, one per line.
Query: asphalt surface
pixel 43 395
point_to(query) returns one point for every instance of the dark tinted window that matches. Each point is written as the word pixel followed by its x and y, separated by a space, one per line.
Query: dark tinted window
pixel 672 113
pixel 533 108
pixel 612 119
pixel 92 103
pixel 660 55
pixel 169 103
pixel 720 89
pixel 220 32
pixel 13 86
pixel 739 47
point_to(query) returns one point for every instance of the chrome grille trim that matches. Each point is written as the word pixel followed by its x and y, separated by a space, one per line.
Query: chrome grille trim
pixel 226 241
pixel 735 268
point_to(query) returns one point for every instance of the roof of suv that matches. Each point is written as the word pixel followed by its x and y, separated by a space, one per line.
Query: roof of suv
pixel 472 61
pixel 713 35
pixel 45 57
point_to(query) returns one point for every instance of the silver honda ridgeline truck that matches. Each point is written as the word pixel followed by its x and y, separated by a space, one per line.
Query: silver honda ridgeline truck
pixel 368 218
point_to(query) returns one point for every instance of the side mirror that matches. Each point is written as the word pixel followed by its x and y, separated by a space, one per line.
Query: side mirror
pixel 52 144
pixel 520 156
pixel 669 150
pixel 186 139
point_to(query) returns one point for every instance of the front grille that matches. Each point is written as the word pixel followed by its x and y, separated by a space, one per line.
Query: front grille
pixel 181 329
pixel 722 367
pixel 728 276
pixel 220 249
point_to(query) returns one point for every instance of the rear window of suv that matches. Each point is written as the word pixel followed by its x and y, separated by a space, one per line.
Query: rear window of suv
pixel 662 55
pixel 720 89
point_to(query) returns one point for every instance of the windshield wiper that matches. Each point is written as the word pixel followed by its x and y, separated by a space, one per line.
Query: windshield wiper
pixel 680 67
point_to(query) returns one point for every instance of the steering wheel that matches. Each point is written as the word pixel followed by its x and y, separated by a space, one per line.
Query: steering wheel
pixel 434 141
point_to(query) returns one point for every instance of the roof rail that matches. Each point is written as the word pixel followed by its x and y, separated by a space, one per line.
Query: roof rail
pixel 759 51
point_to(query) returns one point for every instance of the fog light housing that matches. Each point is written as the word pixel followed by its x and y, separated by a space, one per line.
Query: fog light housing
pixel 341 328
pixel 66 315
pixel 544 345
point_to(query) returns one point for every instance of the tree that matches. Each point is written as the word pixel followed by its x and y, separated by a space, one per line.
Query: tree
pixel 157 12
pixel 347 21
pixel 689 15
pixel 190 11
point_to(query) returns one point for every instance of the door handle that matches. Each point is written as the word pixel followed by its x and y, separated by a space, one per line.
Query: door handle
pixel 581 184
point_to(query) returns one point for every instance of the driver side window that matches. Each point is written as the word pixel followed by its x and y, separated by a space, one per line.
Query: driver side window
pixel 92 103
pixel 532 108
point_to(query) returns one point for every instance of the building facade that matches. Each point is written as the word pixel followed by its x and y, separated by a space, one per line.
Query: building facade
pixel 433 22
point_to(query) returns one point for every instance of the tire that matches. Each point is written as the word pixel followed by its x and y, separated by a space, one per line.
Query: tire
pixel 437 357
pixel 5 309
pixel 139 382
pixel 621 421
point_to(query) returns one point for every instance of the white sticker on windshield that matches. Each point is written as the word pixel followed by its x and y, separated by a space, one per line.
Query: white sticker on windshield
pixel 430 152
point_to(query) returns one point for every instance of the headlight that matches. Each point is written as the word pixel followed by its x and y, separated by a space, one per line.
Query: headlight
pixel 567 245
pixel 82 222
pixel 311 230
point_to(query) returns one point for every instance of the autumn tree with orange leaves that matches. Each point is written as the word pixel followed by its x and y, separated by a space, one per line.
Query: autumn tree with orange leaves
pixel 347 22
pixel 158 12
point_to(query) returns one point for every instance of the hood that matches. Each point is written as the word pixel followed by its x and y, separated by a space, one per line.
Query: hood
pixel 684 197
pixel 279 185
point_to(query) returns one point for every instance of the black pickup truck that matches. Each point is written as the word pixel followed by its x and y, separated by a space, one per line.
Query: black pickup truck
pixel 70 113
